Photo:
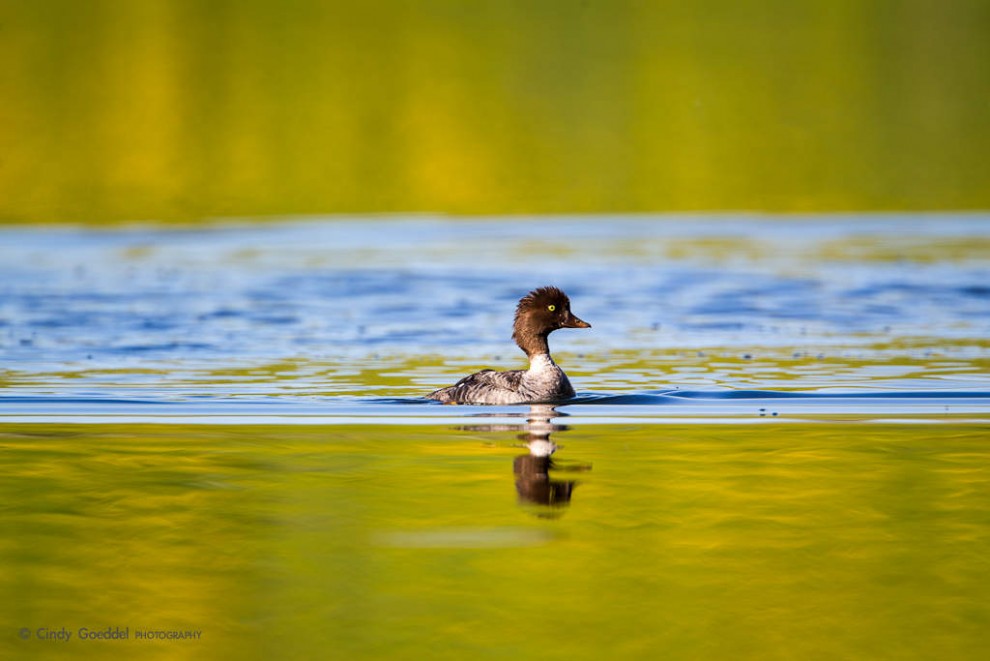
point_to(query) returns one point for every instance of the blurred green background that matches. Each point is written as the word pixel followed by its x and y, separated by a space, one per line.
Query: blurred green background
pixel 189 109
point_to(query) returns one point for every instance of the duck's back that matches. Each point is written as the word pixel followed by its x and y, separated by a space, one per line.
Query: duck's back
pixel 543 382
pixel 484 387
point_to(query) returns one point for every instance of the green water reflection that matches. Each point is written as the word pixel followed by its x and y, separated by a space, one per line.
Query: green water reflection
pixel 724 541
pixel 182 110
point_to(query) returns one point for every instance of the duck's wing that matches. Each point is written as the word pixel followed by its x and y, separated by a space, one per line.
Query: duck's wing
pixel 484 387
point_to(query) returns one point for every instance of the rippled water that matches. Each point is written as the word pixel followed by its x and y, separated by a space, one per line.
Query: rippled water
pixel 397 307
pixel 778 448
pixel 381 541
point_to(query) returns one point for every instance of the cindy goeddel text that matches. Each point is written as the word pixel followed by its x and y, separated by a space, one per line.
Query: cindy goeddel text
pixel 108 634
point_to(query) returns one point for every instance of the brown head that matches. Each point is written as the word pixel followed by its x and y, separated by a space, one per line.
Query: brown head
pixel 539 313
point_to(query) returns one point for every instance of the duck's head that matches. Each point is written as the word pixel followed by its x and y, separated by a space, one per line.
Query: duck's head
pixel 539 313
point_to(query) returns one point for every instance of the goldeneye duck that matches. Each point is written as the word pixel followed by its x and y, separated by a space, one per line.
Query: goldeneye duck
pixel 539 313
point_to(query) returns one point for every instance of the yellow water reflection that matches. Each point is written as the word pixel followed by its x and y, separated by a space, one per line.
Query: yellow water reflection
pixel 183 110
pixel 690 541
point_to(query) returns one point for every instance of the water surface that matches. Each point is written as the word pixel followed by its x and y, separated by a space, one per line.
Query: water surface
pixel 397 307
pixel 778 448
pixel 770 541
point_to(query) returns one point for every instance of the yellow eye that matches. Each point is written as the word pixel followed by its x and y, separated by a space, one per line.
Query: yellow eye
pixel 551 307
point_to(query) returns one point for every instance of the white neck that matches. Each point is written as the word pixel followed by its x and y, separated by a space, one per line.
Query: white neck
pixel 540 362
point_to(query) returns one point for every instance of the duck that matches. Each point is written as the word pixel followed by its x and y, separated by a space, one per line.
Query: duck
pixel 539 313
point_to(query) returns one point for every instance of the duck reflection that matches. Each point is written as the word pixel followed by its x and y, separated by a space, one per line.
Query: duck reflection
pixel 532 470
pixel 534 482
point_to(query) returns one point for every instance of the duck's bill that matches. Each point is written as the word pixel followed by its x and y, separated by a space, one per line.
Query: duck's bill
pixel 574 322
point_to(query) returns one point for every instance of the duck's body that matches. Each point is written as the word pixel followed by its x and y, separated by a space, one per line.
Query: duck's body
pixel 539 313
pixel 544 381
